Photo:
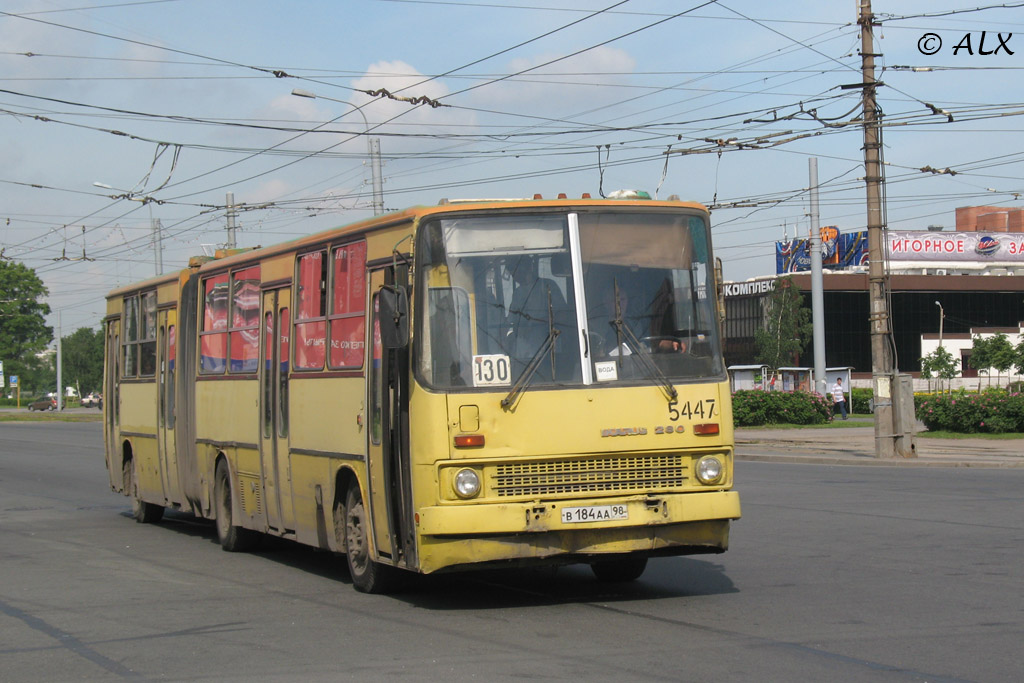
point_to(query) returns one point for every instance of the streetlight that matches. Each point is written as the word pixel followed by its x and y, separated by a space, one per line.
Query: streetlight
pixel 158 248
pixel 372 145
pixel 942 316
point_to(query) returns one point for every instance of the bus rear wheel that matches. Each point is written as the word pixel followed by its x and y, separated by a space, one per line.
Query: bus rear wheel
pixel 367 576
pixel 143 512
pixel 619 570
pixel 232 538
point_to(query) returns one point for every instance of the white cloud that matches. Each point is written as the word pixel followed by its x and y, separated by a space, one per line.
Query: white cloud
pixel 565 86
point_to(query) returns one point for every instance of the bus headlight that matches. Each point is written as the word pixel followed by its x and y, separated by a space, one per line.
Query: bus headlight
pixel 467 483
pixel 709 469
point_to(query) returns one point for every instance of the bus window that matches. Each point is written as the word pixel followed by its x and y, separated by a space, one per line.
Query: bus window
pixel 448 316
pixel 213 336
pixel 131 336
pixel 310 320
pixel 245 315
pixel 500 296
pixel 376 378
pixel 348 296
pixel 282 390
pixel 147 336
pixel 268 374
pixel 171 355
pixel 662 303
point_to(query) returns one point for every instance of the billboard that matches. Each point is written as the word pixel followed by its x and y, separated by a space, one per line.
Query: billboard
pixel 973 247
pixel 851 249
pixel 838 250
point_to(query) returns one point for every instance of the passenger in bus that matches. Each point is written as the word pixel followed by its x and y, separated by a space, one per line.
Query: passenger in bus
pixel 528 317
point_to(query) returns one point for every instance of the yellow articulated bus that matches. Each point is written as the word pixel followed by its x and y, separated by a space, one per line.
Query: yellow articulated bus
pixel 475 384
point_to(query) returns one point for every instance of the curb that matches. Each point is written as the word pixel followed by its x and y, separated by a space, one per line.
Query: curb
pixel 818 454
pixel 865 461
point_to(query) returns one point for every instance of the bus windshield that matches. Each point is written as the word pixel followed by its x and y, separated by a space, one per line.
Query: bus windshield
pixel 571 299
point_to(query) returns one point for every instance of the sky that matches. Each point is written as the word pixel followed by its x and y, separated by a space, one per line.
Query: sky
pixel 173 104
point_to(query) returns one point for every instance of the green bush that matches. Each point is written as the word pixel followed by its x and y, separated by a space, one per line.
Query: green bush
pixel 752 407
pixel 860 400
pixel 992 411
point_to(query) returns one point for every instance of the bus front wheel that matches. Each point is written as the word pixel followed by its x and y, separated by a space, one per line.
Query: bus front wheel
pixel 367 576
pixel 232 538
pixel 143 512
pixel 619 570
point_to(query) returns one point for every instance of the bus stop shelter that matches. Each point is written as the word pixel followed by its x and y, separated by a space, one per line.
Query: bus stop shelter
pixel 748 377
pixel 797 379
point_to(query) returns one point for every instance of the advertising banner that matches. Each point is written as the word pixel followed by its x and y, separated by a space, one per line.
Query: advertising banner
pixel 971 247
pixel 838 250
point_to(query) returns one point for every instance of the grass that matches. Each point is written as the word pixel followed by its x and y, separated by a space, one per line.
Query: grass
pixel 866 422
pixel 834 424
pixel 25 415
pixel 1002 436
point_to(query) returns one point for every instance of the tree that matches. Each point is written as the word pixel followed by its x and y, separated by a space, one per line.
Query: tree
pixel 1001 354
pixel 981 359
pixel 939 363
pixel 82 359
pixel 787 327
pixel 23 329
pixel 1019 360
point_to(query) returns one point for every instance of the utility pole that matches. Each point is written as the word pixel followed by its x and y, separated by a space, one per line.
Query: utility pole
pixel 891 440
pixel 817 283
pixel 378 190
pixel 158 244
pixel 60 366
pixel 231 214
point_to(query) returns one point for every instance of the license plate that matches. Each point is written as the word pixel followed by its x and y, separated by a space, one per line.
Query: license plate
pixel 594 513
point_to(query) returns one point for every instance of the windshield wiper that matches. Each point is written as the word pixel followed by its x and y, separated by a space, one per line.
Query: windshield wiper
pixel 531 367
pixel 653 372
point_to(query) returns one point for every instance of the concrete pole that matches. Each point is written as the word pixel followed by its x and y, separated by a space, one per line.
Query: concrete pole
pixel 157 229
pixel 378 183
pixel 158 245
pixel 817 283
pixel 891 440
pixel 60 366
pixel 231 214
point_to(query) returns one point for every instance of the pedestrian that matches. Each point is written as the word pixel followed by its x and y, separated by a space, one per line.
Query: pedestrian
pixel 838 397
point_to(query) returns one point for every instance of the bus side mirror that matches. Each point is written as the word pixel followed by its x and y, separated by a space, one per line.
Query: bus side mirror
pixel 394 317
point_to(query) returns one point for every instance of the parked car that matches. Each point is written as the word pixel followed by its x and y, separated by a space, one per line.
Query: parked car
pixel 45 403
pixel 92 400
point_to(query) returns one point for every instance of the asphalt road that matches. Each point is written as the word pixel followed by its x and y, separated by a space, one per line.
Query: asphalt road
pixel 835 573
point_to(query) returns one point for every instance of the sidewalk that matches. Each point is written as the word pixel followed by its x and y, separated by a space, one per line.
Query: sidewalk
pixel 856 446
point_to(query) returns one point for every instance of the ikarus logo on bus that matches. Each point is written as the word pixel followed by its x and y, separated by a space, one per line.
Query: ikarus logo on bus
pixel 701 409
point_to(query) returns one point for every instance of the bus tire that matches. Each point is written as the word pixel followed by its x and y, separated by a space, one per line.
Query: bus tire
pixel 233 538
pixel 367 576
pixel 143 512
pixel 620 570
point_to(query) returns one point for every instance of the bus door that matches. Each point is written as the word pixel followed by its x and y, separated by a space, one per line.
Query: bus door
pixel 388 449
pixel 274 460
pixel 110 402
pixel 165 405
